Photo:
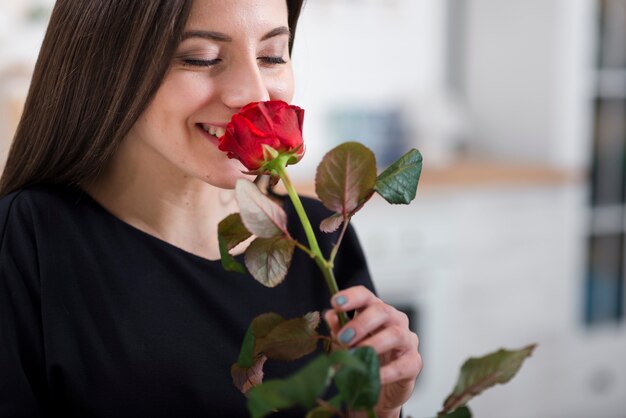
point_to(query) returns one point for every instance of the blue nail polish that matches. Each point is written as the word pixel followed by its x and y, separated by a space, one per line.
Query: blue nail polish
pixel 346 336
pixel 341 300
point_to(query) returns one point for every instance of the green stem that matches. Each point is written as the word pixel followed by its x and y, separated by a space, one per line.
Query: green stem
pixel 321 262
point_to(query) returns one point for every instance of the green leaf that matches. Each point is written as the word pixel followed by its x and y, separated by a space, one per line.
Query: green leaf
pixel 462 412
pixel 478 374
pixel 259 213
pixel 246 354
pixel 329 409
pixel 398 183
pixel 230 232
pixel 345 178
pixel 302 388
pixel 291 339
pixel 268 259
pixel 360 388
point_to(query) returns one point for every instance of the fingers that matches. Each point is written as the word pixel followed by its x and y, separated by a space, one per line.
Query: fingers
pixel 396 338
pixel 373 316
pixel 405 367
pixel 353 298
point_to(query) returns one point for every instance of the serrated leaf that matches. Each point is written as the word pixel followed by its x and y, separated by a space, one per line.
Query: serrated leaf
pixel 268 259
pixel 398 183
pixel 245 378
pixel 302 388
pixel 360 389
pixel 230 232
pixel 264 323
pixel 345 178
pixel 248 370
pixel 291 339
pixel 462 412
pixel 478 374
pixel 331 223
pixel 259 213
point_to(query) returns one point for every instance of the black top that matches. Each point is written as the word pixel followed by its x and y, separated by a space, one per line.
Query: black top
pixel 99 319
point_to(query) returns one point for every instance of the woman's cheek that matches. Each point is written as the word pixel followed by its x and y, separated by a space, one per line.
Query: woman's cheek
pixel 281 86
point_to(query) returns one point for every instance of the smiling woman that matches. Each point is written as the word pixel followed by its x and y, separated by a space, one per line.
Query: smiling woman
pixel 112 302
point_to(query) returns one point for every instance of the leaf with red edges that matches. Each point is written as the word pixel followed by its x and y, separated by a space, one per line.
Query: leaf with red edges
pixel 259 213
pixel 268 259
pixel 346 177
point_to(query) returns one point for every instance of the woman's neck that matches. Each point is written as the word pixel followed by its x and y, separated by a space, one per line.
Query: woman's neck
pixel 167 204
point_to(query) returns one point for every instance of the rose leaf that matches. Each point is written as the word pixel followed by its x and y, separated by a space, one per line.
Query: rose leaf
pixel 259 213
pixel 230 232
pixel 302 388
pixel 268 259
pixel 332 223
pixel 360 388
pixel 346 177
pixel 398 183
pixel 478 374
pixel 328 409
pixel 264 323
pixel 245 378
pixel 291 339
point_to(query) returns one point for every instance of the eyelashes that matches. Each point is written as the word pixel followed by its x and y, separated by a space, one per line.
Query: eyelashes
pixel 194 62
pixel 273 60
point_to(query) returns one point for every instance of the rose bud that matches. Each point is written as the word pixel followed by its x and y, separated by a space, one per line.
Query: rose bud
pixel 259 125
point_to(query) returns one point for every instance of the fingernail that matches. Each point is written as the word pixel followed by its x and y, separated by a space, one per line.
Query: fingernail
pixel 346 336
pixel 341 300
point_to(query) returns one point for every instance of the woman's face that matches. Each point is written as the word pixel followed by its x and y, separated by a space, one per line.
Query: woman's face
pixel 232 53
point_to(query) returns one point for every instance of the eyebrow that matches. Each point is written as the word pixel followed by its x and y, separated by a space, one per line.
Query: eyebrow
pixel 222 37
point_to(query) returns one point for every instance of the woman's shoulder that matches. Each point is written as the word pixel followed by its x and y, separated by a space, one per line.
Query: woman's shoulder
pixel 36 196
pixel 29 203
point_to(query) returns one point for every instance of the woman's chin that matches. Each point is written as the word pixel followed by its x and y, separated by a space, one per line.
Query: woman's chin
pixel 227 178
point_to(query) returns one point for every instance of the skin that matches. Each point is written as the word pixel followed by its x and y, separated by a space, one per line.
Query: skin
pixel 168 174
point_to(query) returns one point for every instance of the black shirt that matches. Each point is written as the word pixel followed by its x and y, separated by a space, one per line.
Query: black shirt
pixel 99 319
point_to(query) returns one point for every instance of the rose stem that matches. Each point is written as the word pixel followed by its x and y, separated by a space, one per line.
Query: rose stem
pixel 324 265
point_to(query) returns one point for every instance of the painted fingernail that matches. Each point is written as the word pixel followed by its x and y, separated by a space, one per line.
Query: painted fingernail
pixel 346 336
pixel 341 300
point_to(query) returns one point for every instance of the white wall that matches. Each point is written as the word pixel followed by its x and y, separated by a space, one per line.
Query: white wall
pixel 366 53
pixel 528 76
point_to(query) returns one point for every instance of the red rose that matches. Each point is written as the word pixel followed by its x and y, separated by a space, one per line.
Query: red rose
pixel 273 123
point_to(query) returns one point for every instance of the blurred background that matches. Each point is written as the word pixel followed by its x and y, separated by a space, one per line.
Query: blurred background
pixel 517 232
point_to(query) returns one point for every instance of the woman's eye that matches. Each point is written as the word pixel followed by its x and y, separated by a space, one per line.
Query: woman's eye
pixel 273 60
pixel 200 63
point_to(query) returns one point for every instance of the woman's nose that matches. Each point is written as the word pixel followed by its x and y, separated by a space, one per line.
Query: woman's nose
pixel 244 84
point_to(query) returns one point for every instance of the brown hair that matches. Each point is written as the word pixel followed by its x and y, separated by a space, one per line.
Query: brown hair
pixel 100 64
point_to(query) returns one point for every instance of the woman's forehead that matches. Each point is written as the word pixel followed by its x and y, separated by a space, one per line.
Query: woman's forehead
pixel 229 15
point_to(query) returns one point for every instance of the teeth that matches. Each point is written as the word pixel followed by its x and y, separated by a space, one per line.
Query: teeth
pixel 214 130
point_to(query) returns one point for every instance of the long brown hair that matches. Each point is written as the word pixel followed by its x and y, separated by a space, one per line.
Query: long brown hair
pixel 100 64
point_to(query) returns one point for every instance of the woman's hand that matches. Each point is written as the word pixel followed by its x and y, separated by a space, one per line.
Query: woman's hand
pixel 386 330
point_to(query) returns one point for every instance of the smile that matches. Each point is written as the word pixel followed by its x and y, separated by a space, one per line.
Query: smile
pixel 216 131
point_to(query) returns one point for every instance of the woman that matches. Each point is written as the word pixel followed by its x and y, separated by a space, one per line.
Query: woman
pixel 112 301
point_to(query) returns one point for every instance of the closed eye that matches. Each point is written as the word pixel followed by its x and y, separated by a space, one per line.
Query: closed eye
pixel 273 60
pixel 200 63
